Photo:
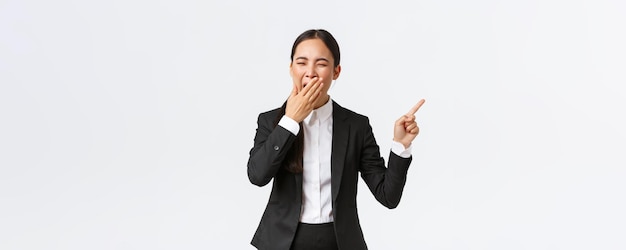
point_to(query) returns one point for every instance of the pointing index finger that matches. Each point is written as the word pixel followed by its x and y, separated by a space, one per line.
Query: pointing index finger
pixel 416 107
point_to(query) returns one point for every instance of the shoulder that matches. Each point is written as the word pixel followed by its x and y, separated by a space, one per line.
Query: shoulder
pixel 272 113
pixel 268 117
pixel 348 114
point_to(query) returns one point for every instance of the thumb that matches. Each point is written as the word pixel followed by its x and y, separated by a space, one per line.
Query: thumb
pixel 294 91
pixel 401 120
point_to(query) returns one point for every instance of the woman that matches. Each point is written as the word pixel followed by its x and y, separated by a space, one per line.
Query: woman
pixel 314 149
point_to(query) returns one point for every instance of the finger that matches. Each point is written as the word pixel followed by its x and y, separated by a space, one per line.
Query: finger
pixel 313 92
pixel 316 93
pixel 416 107
pixel 310 86
pixel 411 126
pixel 403 123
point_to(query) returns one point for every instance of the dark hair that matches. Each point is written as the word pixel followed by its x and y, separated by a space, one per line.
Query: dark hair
pixel 293 159
pixel 323 35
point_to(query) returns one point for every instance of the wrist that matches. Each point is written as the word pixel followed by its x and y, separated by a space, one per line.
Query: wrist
pixel 406 145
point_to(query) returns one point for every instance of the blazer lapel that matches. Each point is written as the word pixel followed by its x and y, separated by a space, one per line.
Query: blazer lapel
pixel 341 131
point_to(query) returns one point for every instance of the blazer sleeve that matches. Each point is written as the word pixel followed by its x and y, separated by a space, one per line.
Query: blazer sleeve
pixel 271 145
pixel 385 183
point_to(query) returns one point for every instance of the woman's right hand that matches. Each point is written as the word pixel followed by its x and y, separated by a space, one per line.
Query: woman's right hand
pixel 302 101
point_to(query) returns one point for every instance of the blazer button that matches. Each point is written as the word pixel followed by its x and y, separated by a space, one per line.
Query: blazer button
pixel 276 148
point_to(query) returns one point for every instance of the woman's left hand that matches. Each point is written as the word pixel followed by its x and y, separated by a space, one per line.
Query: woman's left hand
pixel 406 129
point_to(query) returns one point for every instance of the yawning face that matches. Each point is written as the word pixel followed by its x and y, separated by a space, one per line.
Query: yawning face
pixel 312 59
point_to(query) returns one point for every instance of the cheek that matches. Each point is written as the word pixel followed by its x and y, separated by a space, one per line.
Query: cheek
pixel 326 73
pixel 296 73
pixel 327 87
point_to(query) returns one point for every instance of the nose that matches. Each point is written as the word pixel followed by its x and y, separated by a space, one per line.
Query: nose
pixel 310 72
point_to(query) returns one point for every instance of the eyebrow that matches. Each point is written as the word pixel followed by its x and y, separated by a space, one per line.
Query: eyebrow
pixel 318 59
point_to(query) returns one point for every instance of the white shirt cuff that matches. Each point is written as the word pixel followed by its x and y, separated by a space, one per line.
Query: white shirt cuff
pixel 398 149
pixel 289 124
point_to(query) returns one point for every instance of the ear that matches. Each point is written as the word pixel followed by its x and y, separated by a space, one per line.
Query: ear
pixel 337 71
pixel 291 69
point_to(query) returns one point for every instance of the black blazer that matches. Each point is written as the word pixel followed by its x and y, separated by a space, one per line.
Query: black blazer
pixel 354 150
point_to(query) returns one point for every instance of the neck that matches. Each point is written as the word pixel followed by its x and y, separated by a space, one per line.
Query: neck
pixel 323 100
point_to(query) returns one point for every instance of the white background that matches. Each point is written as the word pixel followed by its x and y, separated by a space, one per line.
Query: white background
pixel 127 124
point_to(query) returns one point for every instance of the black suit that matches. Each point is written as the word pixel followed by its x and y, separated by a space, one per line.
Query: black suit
pixel 354 150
